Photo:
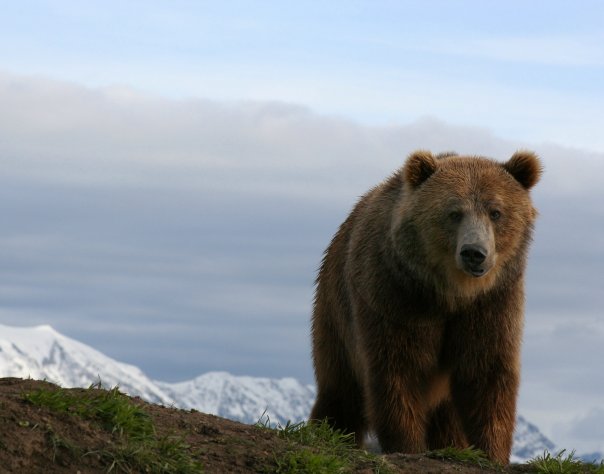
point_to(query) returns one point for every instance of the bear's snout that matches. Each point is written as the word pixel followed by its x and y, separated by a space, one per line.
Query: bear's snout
pixel 475 247
pixel 473 257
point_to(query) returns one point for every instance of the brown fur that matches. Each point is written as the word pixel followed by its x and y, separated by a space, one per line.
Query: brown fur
pixel 408 344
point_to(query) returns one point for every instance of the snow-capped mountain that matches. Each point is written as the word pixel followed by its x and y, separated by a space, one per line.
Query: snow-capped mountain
pixel 244 399
pixel 42 353
pixel 529 442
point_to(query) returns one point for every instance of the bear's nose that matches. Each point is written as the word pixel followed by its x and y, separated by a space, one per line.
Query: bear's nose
pixel 473 254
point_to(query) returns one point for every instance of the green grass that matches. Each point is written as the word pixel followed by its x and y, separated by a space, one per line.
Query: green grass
pixel 113 410
pixel 60 444
pixel 467 455
pixel 319 433
pixel 317 448
pixel 563 464
pixel 138 448
pixel 324 450
pixel 162 455
pixel 310 461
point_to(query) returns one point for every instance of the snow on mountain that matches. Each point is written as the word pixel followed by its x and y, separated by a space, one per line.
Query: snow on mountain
pixel 42 353
pixel 244 399
pixel 529 441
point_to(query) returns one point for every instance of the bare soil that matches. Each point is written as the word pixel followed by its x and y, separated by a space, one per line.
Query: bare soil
pixel 40 440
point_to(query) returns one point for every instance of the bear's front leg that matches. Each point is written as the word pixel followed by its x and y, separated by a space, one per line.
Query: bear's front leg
pixel 486 402
pixel 396 413
pixel 398 360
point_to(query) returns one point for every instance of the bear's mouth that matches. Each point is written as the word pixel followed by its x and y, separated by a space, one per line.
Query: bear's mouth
pixel 476 272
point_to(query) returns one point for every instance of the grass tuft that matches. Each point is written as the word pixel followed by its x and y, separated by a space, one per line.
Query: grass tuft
pixel 315 447
pixel 165 455
pixel 563 464
pixel 325 450
pixel 467 455
pixel 138 448
pixel 318 433
pixel 59 444
pixel 112 409
pixel 310 461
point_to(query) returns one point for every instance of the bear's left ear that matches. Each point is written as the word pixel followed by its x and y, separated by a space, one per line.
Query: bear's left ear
pixel 419 167
pixel 525 167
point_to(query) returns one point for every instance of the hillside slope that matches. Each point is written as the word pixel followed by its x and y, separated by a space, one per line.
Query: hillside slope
pixel 46 429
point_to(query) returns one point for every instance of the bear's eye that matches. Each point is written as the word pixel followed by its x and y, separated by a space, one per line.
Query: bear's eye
pixel 495 215
pixel 455 216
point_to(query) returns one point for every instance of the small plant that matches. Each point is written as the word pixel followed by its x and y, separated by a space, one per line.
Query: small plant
pixel 59 444
pixel 328 450
pixel 467 455
pixel 315 447
pixel 309 461
pixel 563 464
pixel 165 455
pixel 322 433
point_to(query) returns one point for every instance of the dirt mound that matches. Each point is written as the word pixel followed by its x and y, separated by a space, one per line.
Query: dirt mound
pixel 44 428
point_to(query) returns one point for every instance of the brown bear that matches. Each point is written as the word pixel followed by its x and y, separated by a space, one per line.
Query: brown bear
pixel 419 305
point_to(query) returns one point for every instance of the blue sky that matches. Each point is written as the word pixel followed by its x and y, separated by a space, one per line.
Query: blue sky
pixel 172 171
pixel 529 70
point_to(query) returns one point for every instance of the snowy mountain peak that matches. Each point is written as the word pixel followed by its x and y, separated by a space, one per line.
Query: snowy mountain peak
pixel 43 353
pixel 529 442
pixel 244 398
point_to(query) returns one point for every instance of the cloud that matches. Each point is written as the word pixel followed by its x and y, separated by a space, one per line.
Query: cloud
pixel 591 426
pixel 586 431
pixel 561 349
pixel 55 130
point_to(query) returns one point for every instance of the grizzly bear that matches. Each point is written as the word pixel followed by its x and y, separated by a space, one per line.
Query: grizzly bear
pixel 419 306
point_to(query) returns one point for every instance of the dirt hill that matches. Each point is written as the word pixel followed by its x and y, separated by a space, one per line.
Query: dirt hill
pixel 46 429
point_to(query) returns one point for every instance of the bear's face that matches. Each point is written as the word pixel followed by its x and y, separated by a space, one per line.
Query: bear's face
pixel 471 216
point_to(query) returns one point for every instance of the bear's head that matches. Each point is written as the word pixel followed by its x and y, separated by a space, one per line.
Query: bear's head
pixel 463 222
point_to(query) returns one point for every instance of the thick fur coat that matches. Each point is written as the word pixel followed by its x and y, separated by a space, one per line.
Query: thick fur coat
pixel 418 311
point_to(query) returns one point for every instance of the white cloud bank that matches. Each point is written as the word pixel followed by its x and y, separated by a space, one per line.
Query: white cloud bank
pixel 64 132
pixel 184 235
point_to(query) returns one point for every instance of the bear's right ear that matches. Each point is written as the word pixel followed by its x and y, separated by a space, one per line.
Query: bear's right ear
pixel 525 167
pixel 419 167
